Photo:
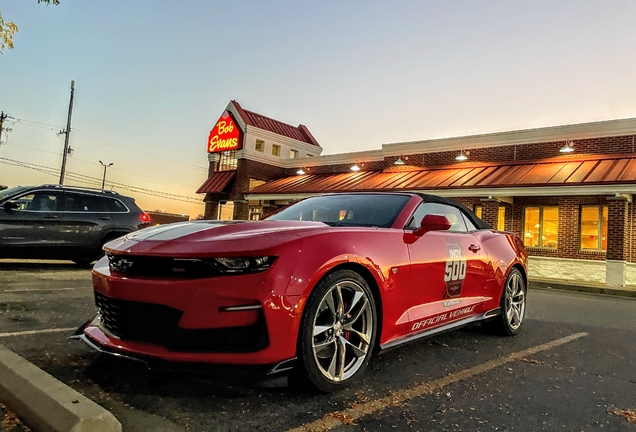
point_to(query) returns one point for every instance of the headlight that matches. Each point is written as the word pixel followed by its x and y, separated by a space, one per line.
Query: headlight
pixel 243 264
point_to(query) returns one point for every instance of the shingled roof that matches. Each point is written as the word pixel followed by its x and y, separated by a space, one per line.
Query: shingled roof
pixel 300 133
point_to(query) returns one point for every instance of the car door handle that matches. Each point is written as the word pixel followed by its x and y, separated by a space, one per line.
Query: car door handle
pixel 104 218
pixel 474 248
pixel 49 217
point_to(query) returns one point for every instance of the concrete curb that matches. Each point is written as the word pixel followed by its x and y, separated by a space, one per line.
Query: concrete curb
pixel 578 287
pixel 46 404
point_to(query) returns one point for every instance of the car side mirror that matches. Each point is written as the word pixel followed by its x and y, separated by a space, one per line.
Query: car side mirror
pixel 432 222
pixel 10 205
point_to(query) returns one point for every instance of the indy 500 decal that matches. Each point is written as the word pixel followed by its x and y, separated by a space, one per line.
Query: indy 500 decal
pixel 455 271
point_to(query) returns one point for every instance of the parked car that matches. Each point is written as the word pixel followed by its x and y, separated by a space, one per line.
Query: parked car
pixel 314 288
pixel 62 222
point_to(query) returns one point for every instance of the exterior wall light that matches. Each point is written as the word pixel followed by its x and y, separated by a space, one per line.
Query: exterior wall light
pixel 355 167
pixel 568 147
pixel 462 156
pixel 399 161
pixel 300 172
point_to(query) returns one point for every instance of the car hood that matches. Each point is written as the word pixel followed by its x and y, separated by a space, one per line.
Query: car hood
pixel 213 237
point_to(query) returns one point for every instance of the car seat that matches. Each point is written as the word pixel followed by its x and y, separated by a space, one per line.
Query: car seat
pixel 42 203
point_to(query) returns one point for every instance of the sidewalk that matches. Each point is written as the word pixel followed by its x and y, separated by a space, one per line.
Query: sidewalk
pixel 578 286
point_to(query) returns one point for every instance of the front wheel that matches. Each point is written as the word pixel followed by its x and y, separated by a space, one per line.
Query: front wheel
pixel 512 306
pixel 338 331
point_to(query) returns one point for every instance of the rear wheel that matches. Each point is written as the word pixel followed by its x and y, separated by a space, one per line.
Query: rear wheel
pixel 338 331
pixel 83 262
pixel 512 305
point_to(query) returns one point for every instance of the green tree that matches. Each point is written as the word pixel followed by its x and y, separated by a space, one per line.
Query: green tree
pixel 8 28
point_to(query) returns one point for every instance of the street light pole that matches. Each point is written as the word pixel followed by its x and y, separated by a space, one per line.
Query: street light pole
pixel 105 166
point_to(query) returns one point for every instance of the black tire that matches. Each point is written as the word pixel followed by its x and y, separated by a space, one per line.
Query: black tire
pixel 97 255
pixel 512 306
pixel 83 262
pixel 337 332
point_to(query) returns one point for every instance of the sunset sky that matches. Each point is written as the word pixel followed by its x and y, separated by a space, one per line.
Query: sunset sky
pixel 152 78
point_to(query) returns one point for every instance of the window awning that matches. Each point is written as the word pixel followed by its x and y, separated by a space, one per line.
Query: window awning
pixel 217 182
pixel 552 173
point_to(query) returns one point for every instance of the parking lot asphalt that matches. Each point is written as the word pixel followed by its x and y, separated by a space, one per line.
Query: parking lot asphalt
pixel 570 368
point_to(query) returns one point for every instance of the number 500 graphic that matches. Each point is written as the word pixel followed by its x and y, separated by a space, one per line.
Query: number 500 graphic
pixel 455 270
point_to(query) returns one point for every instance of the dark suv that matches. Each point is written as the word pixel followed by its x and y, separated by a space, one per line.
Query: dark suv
pixel 62 222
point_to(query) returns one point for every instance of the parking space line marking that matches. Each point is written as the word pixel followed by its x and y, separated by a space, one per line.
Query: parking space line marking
pixel 40 289
pixel 333 419
pixel 31 332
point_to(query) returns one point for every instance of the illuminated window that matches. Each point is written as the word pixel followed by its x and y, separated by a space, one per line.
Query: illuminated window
pixel 293 154
pixel 478 211
pixel 227 161
pixel 259 146
pixel 501 219
pixel 594 228
pixel 541 227
pixel 276 150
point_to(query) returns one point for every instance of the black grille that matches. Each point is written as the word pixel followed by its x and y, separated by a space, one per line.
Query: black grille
pixel 159 325
pixel 144 266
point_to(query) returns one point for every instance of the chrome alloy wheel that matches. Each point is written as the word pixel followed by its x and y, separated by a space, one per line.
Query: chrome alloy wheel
pixel 515 301
pixel 342 330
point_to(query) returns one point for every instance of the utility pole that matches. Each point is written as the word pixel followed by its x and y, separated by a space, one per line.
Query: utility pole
pixel 67 132
pixel 105 166
pixel 2 117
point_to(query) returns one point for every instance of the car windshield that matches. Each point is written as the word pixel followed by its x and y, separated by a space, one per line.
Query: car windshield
pixel 366 210
pixel 11 191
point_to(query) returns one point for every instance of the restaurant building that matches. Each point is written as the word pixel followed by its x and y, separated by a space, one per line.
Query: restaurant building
pixel 565 190
pixel 246 150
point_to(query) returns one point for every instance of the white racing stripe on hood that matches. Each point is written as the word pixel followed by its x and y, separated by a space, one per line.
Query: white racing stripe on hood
pixel 175 230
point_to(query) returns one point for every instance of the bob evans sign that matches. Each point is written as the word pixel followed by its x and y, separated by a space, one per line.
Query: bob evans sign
pixel 224 136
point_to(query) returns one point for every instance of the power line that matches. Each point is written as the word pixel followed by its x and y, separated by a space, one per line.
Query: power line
pixel 33 148
pixel 38 124
pixel 137 151
pixel 110 143
pixel 93 180
pixel 95 163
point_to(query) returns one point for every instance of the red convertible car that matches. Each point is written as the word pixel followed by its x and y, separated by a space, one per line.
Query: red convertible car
pixel 316 288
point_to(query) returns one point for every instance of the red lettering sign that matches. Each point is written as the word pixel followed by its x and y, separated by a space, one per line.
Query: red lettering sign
pixel 225 135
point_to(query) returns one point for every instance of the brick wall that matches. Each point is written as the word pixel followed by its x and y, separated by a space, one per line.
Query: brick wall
pixel 249 169
pixel 618 229
pixel 521 152
pixel 597 146
pixel 339 168
pixel 211 210
pixel 568 237
pixel 241 211
pixel 490 213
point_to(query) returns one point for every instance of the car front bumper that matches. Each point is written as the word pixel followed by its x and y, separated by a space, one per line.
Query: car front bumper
pixel 223 320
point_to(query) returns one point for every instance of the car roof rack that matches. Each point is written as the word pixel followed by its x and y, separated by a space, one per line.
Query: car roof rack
pixel 81 188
